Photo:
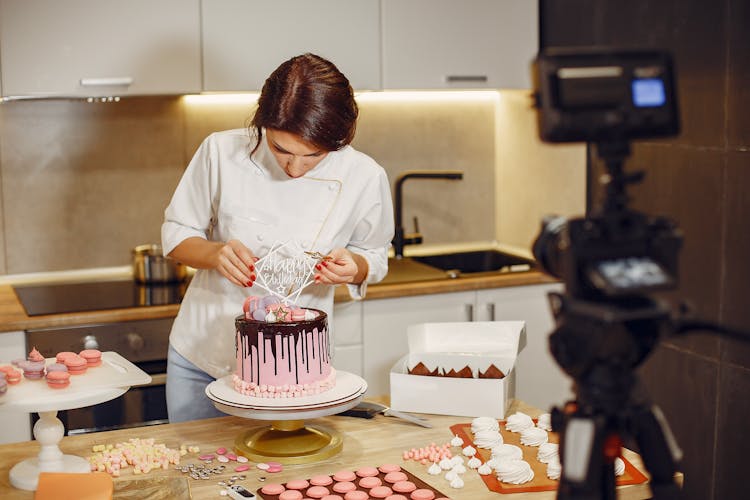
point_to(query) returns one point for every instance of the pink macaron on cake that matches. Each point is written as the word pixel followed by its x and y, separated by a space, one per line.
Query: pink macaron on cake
pixel 282 351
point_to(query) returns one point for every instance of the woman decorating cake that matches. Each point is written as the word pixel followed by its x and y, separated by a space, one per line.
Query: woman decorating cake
pixel 291 179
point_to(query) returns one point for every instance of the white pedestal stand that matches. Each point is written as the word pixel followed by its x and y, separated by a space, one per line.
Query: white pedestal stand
pixel 49 431
pixel 112 379
pixel 287 439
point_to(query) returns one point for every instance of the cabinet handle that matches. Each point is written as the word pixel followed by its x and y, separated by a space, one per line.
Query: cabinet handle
pixel 122 81
pixel 469 312
pixel 466 79
pixel 491 310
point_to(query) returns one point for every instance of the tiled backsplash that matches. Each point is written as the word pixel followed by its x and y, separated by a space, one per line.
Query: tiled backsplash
pixel 83 183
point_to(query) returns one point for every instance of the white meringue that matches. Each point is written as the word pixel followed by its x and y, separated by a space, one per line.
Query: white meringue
pixel 457 482
pixel 484 423
pixel 459 469
pixel 544 422
pixel 548 452
pixel 458 459
pixel 506 451
pixel 515 472
pixel 484 469
pixel 619 466
pixel 451 475
pixel 533 436
pixel 474 462
pixel 434 469
pixel 457 441
pixel 469 451
pixel 446 464
pixel 488 439
pixel 554 469
pixel 518 422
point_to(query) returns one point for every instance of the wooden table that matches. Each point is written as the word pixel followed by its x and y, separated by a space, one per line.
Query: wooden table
pixel 366 443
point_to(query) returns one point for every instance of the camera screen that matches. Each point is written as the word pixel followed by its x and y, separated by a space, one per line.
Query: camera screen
pixel 628 274
pixel 648 92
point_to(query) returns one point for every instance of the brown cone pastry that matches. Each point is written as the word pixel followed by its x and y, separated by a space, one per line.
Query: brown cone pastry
pixel 464 372
pixel 492 372
pixel 421 369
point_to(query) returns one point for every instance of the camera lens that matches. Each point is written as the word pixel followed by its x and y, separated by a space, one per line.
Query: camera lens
pixel 546 246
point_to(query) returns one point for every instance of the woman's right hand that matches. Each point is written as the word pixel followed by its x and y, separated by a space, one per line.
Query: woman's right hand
pixel 232 259
pixel 236 263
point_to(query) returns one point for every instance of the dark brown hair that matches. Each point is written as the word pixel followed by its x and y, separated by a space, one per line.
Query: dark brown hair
pixel 308 96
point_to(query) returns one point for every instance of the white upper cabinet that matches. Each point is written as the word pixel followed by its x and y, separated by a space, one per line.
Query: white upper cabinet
pixel 245 40
pixel 99 47
pixel 458 44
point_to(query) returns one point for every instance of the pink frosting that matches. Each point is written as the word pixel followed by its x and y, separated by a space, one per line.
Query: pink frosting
pixel 283 360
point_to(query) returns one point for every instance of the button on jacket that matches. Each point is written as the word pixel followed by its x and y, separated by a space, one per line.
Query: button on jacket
pixel 224 194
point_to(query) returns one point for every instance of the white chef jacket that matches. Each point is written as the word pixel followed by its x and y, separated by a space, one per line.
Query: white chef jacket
pixel 345 201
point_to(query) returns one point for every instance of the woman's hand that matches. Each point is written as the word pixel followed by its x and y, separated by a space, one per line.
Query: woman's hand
pixel 343 267
pixel 232 259
pixel 236 263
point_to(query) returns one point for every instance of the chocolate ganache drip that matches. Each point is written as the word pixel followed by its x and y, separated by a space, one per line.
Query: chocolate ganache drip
pixel 259 342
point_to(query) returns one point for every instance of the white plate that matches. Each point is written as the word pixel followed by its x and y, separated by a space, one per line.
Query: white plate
pixel 348 386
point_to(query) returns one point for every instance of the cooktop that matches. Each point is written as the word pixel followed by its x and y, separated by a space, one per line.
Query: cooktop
pixel 94 296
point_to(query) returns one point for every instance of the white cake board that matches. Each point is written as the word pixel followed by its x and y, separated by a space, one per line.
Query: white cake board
pixel 103 383
pixel 348 387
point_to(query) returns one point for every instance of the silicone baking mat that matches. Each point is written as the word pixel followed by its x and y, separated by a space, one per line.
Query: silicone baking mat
pixel 410 477
pixel 540 482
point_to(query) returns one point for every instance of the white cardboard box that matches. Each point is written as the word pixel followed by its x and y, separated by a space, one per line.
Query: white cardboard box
pixel 456 345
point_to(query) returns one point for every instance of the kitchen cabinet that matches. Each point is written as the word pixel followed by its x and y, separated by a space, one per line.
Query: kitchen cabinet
pixel 538 377
pixel 450 44
pixel 347 336
pixel 100 47
pixel 245 40
pixel 384 324
pixel 16 425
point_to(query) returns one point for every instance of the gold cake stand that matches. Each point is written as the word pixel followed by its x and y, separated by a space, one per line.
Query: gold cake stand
pixel 288 439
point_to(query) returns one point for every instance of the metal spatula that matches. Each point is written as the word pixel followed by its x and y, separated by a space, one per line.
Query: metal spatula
pixel 388 412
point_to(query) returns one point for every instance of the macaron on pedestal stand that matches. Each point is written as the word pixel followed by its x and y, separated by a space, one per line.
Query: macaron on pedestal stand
pixel 288 440
pixel 108 381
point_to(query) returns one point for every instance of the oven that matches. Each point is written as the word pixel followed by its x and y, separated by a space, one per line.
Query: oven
pixel 144 343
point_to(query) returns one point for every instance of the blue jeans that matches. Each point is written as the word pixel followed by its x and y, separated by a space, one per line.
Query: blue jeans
pixel 186 385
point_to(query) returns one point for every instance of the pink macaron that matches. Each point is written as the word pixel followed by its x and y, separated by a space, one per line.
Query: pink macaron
pixel 12 376
pixel 76 365
pixel 93 357
pixel 33 370
pixel 58 380
pixel 60 357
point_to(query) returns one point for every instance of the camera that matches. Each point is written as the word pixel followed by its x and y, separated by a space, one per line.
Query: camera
pixel 607 97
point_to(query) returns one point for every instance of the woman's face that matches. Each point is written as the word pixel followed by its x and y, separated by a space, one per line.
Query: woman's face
pixel 294 155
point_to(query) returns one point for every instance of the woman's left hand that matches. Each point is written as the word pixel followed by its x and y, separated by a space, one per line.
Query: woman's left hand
pixel 343 267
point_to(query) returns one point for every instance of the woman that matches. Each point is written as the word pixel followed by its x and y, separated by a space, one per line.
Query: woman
pixel 292 177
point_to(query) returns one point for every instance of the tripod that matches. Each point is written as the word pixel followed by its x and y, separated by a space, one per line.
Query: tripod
pixel 599 345
pixel 605 327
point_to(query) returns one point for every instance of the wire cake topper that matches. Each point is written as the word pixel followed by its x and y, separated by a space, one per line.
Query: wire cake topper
pixel 286 270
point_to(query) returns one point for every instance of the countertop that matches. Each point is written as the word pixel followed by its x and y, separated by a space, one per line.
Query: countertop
pixel 366 443
pixel 407 280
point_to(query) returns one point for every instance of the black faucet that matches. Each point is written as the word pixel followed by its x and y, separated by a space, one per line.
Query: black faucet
pixel 399 238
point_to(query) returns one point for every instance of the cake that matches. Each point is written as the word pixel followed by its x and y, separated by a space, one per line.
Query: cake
pixel 282 351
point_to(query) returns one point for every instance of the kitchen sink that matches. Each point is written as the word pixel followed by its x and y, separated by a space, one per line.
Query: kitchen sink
pixel 478 261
